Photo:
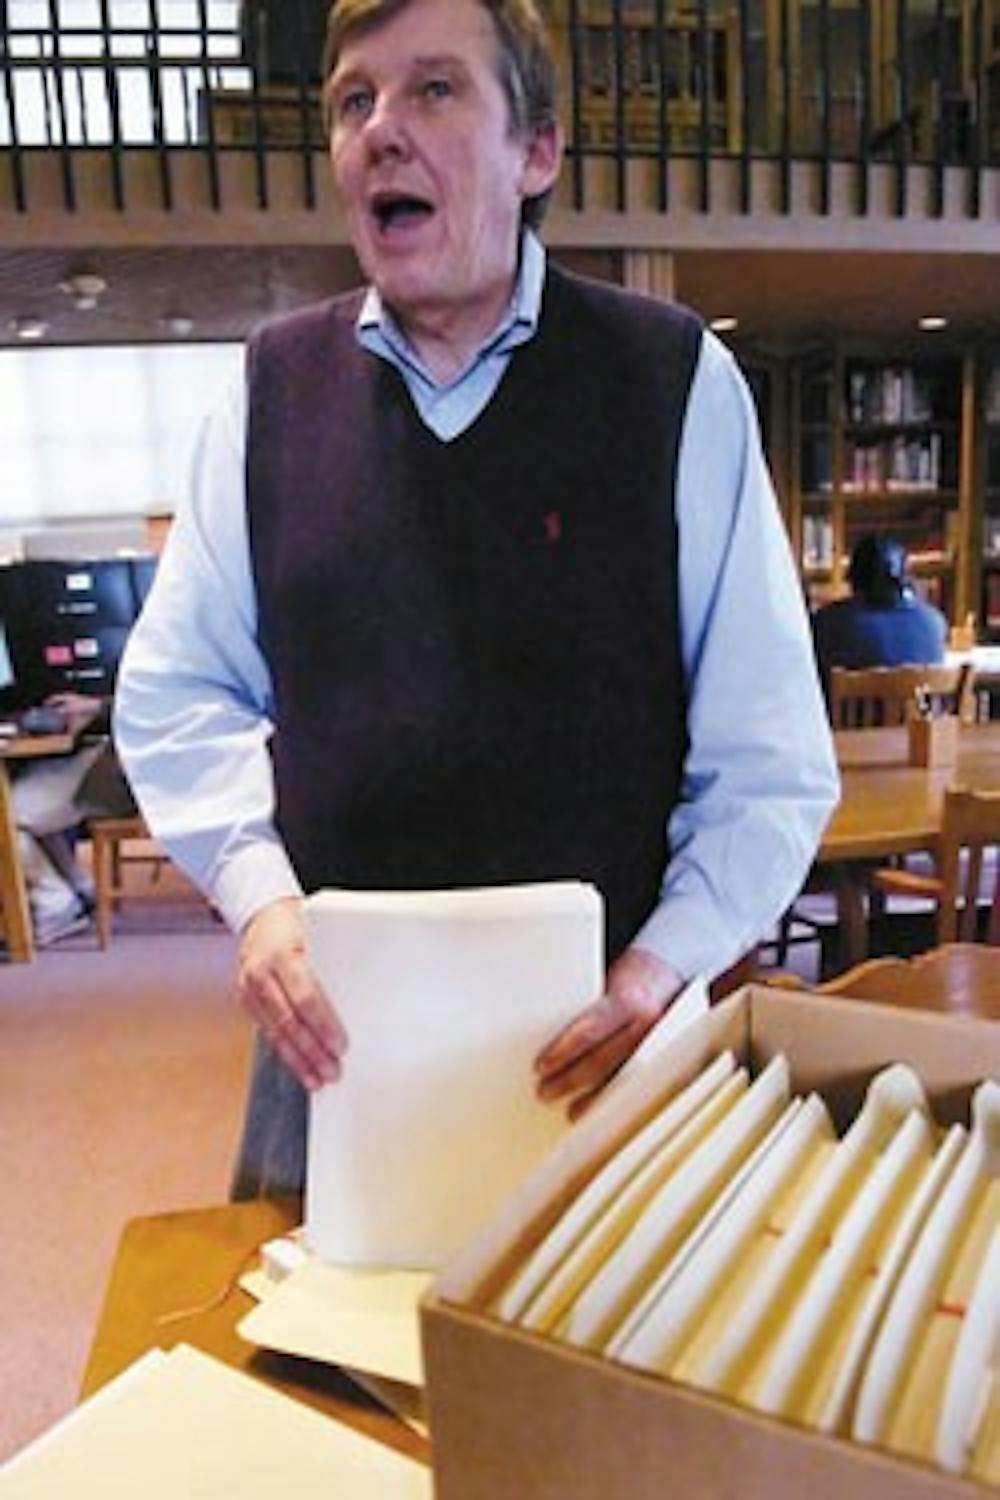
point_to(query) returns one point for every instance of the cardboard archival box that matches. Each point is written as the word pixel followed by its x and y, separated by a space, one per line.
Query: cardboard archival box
pixel 517 1414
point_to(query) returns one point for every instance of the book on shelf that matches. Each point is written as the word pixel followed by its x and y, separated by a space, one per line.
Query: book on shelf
pixel 904 463
pixel 991 399
pixel 991 535
pixel 887 394
pixel 991 590
pixel 817 542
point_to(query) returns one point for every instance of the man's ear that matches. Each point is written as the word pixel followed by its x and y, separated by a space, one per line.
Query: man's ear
pixel 543 160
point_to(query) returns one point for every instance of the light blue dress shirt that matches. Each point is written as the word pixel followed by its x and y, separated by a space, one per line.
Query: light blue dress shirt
pixel 194 697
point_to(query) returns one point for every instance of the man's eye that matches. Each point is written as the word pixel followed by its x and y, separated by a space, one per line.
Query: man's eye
pixel 436 88
pixel 355 104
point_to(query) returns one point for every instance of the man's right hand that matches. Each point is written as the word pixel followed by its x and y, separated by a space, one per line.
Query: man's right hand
pixel 279 991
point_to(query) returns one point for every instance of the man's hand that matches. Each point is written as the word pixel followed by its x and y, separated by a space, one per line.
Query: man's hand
pixel 586 1053
pixel 74 703
pixel 281 994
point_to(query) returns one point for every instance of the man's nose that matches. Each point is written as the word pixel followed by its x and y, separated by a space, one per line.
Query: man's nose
pixel 385 129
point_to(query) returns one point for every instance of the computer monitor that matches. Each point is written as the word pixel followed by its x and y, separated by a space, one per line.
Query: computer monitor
pixel 6 664
pixel 70 595
pixel 143 573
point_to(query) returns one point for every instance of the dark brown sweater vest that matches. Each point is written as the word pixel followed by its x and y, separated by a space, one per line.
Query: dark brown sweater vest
pixel 474 645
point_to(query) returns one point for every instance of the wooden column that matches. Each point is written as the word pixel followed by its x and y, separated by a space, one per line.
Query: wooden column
pixel 650 271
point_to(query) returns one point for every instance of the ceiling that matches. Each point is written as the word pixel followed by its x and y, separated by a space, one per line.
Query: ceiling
pixel 783 299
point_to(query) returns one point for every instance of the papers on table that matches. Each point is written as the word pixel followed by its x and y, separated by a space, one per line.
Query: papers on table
pixel 364 1319
pixel 364 1322
pixel 447 997
pixel 734 1243
pixel 183 1425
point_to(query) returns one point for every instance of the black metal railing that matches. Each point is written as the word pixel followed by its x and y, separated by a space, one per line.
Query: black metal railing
pixel 863 82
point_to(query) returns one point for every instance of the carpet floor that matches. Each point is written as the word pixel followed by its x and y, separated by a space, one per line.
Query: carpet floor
pixel 121 1084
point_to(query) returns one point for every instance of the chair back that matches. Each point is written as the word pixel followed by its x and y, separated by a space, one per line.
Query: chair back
pixel 971 821
pixel 874 696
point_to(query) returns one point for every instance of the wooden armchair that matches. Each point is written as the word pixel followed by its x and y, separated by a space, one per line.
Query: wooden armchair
pixel 971 822
pixel 873 696
pixel 959 978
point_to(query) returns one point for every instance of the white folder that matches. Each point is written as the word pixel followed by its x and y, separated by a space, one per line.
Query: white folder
pixel 447 997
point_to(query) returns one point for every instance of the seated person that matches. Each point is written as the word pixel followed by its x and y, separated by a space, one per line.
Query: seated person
pixel 51 796
pixel 884 623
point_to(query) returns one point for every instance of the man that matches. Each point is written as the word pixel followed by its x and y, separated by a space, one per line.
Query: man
pixel 51 796
pixel 884 623
pixel 504 595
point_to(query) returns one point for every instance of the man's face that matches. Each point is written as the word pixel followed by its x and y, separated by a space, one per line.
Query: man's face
pixel 430 175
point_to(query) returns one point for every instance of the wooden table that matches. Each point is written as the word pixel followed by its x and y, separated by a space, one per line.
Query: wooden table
pixel 889 807
pixel 14 907
pixel 188 1260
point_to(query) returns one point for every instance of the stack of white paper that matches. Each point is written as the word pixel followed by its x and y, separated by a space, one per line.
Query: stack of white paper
pixel 183 1425
pixel 447 997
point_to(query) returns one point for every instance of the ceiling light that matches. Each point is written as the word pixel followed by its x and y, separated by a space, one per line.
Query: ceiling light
pixel 179 325
pixel 29 328
pixel 86 289
pixel 724 325
pixel 932 323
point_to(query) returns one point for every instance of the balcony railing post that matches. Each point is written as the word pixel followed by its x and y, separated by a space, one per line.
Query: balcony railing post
pixel 65 155
pixel 865 124
pixel 208 111
pixel 746 121
pixel 621 119
pixel 977 84
pixel 825 136
pixel 153 63
pixel 662 110
pixel 903 121
pixel 114 108
pixel 305 121
pixel 785 151
pixel 10 114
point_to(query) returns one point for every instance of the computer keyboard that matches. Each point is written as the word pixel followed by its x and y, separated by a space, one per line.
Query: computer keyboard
pixel 43 718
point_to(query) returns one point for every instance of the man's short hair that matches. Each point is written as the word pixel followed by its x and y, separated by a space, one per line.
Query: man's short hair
pixel 526 67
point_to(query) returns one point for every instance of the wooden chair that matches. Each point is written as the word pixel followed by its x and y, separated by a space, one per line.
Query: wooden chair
pixel 957 978
pixel 15 915
pixel 110 838
pixel 875 696
pixel 970 823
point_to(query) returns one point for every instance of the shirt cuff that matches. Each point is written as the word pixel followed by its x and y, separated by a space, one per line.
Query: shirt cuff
pixel 678 934
pixel 251 879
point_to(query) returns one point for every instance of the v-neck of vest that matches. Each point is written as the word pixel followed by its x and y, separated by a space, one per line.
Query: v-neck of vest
pixel 510 385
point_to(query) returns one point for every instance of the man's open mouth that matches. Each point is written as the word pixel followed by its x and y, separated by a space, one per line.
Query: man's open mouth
pixel 394 211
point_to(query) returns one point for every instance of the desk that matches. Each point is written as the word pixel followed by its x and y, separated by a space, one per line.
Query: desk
pixel 889 807
pixel 13 893
pixel 182 1260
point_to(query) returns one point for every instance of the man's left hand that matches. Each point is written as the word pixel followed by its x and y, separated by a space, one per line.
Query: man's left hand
pixel 587 1052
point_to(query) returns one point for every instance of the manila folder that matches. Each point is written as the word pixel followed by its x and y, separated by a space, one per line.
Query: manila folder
pixel 446 996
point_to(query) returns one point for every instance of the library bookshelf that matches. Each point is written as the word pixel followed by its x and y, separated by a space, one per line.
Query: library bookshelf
pixel 900 443
pixel 988 455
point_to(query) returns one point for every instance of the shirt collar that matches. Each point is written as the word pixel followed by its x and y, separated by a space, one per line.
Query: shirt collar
pixel 518 323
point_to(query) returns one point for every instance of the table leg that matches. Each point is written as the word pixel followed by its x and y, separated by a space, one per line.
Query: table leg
pixel 852 915
pixel 13 892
